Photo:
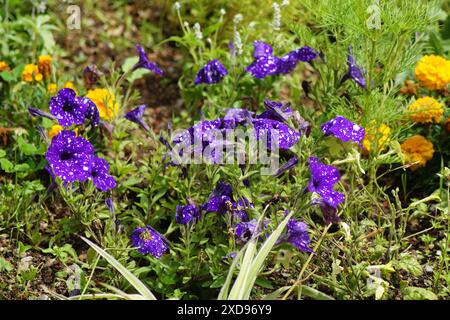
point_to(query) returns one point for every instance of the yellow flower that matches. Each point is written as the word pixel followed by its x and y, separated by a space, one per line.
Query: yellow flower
pixel 105 102
pixel 426 109
pixel 45 66
pixel 70 85
pixel 31 72
pixel 3 66
pixel 433 72
pixel 52 88
pixel 55 129
pixel 376 138
pixel 417 151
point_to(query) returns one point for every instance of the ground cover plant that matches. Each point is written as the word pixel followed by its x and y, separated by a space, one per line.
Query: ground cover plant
pixel 224 149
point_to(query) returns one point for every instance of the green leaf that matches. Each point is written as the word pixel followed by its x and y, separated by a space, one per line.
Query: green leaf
pixel 7 76
pixel 263 282
pixel 411 265
pixel 129 63
pixel 415 293
pixel 21 167
pixel 218 282
pixel 5 265
pixel 49 41
pixel 2 153
pixel 315 294
pixel 6 165
pixel 25 147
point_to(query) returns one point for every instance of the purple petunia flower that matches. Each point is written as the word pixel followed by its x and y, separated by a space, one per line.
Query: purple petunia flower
pixel 92 113
pixel 200 131
pixel 219 198
pixel 239 209
pixel 306 54
pixel 235 116
pixel 68 108
pixel 297 235
pixel 211 73
pixel 70 157
pixel 100 175
pixel 136 115
pixel 266 64
pixel 263 66
pixel 323 178
pixel 245 230
pixel 39 113
pixel 265 128
pixel 344 130
pixel 147 240
pixel 110 204
pixel 329 213
pixel 144 62
pixel 355 72
pixel 291 163
pixel 261 49
pixel 186 214
pixel 276 111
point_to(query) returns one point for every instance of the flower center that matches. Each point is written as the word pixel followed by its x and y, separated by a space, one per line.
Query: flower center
pixel 145 235
pixel 65 155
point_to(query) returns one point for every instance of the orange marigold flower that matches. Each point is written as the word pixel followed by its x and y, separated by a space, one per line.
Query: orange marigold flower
pixel 4 66
pixel 105 102
pixel 45 66
pixel 417 151
pixel 433 72
pixel 426 110
pixel 52 88
pixel 376 138
pixel 31 73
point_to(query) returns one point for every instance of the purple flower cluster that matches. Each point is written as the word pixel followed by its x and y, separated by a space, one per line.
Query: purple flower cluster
pixel 266 64
pixel 72 159
pixel 268 126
